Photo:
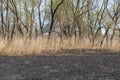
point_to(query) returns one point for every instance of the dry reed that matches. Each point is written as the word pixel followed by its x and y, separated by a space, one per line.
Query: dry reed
pixel 22 46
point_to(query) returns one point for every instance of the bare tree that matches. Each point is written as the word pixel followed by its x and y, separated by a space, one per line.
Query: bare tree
pixel 53 12
pixel 2 20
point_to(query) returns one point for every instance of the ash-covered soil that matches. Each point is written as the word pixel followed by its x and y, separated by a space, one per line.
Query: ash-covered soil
pixel 85 67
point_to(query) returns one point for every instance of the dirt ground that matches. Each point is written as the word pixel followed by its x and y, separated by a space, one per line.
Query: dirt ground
pixel 102 66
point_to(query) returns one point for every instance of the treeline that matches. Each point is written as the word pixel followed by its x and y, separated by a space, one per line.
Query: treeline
pixel 64 19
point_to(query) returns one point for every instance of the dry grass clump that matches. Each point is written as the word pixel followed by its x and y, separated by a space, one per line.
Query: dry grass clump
pixel 22 46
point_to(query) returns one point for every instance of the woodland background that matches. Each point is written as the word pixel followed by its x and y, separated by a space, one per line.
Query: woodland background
pixel 30 26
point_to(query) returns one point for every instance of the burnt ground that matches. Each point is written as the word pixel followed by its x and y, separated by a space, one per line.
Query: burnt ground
pixel 101 66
